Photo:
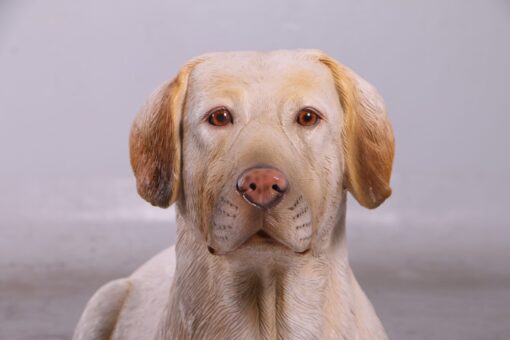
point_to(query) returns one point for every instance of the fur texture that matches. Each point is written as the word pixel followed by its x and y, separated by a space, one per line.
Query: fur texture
pixel 224 279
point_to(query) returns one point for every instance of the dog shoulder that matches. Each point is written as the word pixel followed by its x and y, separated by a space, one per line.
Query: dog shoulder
pixel 102 312
pixel 149 293
pixel 137 301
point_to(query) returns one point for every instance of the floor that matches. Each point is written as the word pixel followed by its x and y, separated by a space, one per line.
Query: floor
pixel 450 282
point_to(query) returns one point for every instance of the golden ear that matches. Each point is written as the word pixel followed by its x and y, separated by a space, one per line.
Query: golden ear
pixel 154 142
pixel 367 135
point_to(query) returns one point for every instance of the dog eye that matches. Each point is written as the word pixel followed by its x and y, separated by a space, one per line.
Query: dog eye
pixel 308 117
pixel 220 117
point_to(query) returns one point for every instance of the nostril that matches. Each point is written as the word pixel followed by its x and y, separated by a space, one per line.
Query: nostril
pixel 277 188
pixel 253 186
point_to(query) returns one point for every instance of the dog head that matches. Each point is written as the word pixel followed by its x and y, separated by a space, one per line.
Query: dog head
pixel 259 149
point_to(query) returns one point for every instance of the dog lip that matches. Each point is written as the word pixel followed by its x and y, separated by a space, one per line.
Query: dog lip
pixel 259 238
pixel 261 233
pixel 216 252
pixel 264 237
pixel 304 252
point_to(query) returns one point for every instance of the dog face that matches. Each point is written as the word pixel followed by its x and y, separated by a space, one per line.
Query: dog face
pixel 260 148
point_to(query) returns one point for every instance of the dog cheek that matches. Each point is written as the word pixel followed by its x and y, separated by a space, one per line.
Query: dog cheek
pixel 212 186
pixel 325 197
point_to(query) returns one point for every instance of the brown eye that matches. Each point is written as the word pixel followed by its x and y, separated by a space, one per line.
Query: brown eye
pixel 220 117
pixel 307 117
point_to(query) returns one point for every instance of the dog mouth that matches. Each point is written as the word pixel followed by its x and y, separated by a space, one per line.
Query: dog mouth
pixel 265 237
pixel 258 240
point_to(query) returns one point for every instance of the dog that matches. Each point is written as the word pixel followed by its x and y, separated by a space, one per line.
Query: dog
pixel 258 151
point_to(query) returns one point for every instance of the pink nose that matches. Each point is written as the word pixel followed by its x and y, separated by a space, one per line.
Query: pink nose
pixel 262 186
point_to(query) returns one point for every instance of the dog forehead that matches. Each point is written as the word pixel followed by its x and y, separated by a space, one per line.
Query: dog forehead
pixel 295 70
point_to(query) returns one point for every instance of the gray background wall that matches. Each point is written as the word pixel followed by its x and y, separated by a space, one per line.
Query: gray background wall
pixel 433 259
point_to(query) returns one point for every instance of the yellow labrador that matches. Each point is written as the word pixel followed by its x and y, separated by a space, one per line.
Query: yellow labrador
pixel 258 151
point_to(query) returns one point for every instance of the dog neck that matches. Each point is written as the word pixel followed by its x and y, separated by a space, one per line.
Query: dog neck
pixel 269 297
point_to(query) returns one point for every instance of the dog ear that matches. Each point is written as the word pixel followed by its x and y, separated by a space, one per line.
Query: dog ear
pixel 367 136
pixel 155 142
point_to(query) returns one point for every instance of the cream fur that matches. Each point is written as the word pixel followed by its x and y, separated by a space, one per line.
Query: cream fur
pixel 297 287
